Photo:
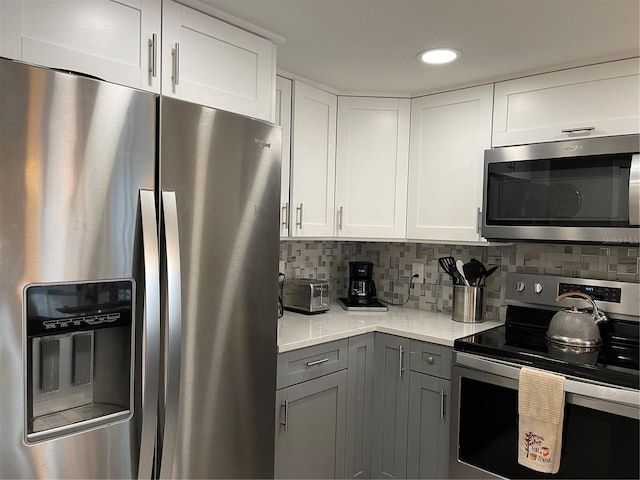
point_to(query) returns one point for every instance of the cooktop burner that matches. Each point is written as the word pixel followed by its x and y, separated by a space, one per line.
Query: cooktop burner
pixel 522 338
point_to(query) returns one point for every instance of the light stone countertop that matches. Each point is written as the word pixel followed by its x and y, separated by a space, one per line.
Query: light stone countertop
pixel 296 330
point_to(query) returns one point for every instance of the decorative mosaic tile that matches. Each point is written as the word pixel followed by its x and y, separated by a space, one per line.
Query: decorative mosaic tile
pixel 393 262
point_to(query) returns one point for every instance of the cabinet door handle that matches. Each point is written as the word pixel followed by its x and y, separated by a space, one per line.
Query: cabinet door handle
pixel 317 362
pixel 401 362
pixel 340 214
pixel 285 215
pixel 283 418
pixel 443 402
pixel 175 53
pixel 478 220
pixel 152 56
pixel 299 216
pixel 577 130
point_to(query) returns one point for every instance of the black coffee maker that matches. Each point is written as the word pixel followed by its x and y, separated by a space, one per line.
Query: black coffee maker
pixel 362 288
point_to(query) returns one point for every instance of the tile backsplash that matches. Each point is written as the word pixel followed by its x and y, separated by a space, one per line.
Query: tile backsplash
pixel 329 260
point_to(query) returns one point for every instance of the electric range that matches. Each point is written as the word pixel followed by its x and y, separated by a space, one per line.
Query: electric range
pixel 522 338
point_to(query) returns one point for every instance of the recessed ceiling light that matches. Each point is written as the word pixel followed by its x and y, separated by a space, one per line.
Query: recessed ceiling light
pixel 439 55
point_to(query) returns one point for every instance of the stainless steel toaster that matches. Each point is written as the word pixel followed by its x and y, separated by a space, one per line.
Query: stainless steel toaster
pixel 305 295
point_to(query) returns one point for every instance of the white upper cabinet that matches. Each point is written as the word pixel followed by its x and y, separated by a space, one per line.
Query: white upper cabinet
pixel 449 133
pixel 283 118
pixel 117 41
pixel 371 167
pixel 213 63
pixel 594 101
pixel 313 161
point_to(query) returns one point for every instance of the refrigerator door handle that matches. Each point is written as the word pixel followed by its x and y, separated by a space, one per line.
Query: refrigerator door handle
pixel 172 332
pixel 151 333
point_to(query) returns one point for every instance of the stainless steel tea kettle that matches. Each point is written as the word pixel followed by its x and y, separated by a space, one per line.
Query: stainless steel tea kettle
pixel 574 327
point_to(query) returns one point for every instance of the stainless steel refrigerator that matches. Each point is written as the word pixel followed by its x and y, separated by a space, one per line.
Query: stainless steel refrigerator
pixel 138 287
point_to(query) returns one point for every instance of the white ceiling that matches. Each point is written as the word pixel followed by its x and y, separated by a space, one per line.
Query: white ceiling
pixel 371 45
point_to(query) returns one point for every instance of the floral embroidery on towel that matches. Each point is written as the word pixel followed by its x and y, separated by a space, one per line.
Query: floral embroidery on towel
pixel 534 451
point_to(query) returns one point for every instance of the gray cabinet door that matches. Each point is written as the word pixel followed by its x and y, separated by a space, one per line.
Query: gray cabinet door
pixel 359 407
pixel 428 432
pixel 310 428
pixel 390 406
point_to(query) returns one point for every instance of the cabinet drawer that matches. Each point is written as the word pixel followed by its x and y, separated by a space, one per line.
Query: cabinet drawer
pixel 430 359
pixel 304 364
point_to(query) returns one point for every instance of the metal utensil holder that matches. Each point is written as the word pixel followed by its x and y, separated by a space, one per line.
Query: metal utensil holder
pixel 468 304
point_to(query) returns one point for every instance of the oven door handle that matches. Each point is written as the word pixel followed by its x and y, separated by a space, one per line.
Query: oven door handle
pixel 591 390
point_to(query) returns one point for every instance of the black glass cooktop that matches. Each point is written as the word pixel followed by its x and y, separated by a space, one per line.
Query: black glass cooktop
pixel 522 340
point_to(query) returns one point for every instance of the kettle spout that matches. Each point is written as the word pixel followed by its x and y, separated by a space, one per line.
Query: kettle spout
pixel 600 317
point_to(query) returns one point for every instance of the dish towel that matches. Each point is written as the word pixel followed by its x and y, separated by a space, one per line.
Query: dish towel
pixel 541 415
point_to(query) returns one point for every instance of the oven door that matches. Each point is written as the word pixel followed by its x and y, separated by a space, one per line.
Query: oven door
pixel 600 432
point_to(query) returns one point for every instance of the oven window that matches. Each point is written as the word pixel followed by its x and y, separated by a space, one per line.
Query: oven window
pixel 585 191
pixel 595 444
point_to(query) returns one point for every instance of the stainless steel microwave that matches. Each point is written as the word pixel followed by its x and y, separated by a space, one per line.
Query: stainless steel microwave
pixel 578 191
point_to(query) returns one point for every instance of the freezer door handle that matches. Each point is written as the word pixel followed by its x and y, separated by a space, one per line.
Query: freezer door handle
pixel 172 330
pixel 150 333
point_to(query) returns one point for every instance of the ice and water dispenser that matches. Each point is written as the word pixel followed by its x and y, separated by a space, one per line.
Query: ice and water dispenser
pixel 79 356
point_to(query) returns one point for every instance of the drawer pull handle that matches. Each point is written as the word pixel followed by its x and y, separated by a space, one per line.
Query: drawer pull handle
pixel 430 360
pixel 317 362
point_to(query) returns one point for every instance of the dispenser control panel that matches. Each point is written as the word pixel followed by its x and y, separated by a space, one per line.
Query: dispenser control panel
pixel 78 306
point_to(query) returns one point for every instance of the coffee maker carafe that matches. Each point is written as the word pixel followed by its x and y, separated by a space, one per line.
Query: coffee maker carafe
pixel 362 288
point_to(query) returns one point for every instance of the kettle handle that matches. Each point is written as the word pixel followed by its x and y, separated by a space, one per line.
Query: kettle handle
pixel 575 294
pixel 598 316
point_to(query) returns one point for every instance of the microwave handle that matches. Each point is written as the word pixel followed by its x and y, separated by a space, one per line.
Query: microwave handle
pixel 634 190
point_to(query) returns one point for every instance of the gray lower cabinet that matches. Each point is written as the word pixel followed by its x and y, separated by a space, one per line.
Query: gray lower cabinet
pixel 390 407
pixel 428 432
pixel 372 406
pixel 310 428
pixel 359 407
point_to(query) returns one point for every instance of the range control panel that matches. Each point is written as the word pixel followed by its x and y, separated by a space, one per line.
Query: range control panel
pixel 541 291
pixel 604 294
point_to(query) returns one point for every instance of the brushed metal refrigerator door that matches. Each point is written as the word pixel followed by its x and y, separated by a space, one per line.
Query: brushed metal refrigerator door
pixel 225 172
pixel 74 154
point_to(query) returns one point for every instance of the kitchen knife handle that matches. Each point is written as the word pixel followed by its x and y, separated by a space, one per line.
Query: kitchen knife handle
pixel 153 59
pixel 175 54
pixel 150 331
pixel 401 361
pixel 172 315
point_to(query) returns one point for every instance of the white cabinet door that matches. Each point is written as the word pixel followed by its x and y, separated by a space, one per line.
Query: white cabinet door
pixel 313 161
pixel 213 63
pixel 117 41
pixel 449 133
pixel 594 101
pixel 371 167
pixel 283 118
